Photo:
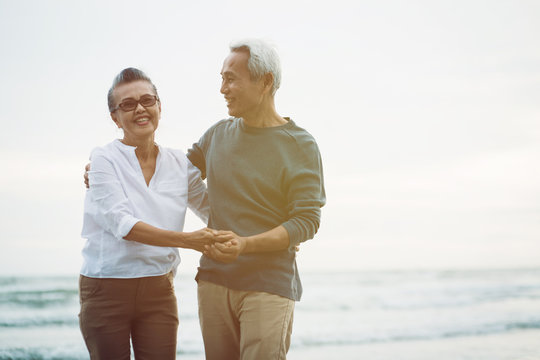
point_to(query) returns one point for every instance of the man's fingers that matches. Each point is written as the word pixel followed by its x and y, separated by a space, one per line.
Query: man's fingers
pixel 221 252
pixel 224 237
pixel 225 248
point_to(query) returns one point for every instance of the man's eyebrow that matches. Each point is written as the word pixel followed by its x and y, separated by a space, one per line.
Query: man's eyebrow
pixel 226 73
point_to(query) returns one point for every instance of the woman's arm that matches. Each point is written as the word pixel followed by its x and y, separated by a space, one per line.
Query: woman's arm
pixel 113 213
pixel 151 235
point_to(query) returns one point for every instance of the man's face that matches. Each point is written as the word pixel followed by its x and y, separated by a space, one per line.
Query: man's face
pixel 244 96
pixel 141 122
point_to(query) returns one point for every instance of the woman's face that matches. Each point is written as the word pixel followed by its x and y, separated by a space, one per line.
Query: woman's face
pixel 141 123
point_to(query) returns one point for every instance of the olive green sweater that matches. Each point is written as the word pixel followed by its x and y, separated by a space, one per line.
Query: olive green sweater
pixel 258 179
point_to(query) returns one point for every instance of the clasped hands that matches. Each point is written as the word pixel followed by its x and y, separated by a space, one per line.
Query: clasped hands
pixel 220 245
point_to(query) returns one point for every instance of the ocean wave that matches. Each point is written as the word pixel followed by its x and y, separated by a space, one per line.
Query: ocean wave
pixel 69 353
pixel 410 290
pixel 38 298
pixel 56 353
pixel 38 354
pixel 38 322
pixel 37 292
pixel 407 290
pixel 342 309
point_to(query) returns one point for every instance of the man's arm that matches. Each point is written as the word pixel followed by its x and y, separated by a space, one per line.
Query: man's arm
pixel 197 194
pixel 305 197
pixel 230 245
pixel 196 154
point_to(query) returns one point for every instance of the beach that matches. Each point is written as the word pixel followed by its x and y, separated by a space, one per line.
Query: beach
pixel 515 345
pixel 376 315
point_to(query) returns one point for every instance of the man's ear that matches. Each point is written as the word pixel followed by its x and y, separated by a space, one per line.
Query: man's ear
pixel 268 82
pixel 113 117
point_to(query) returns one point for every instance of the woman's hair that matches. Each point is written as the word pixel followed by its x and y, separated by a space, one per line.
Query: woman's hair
pixel 263 59
pixel 126 76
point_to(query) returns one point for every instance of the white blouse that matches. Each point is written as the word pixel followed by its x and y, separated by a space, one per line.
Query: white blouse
pixel 118 198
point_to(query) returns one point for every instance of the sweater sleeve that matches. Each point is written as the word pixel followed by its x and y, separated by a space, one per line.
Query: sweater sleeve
pixel 196 156
pixel 197 153
pixel 305 196
pixel 112 210
pixel 197 196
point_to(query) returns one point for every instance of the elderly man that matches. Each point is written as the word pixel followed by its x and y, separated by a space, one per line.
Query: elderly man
pixel 265 185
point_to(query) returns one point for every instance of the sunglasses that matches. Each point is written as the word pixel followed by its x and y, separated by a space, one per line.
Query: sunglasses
pixel 131 104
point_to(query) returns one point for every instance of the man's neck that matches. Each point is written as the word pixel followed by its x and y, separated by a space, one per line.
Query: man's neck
pixel 264 117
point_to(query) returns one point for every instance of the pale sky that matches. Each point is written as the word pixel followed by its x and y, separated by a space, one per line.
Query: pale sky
pixel 427 115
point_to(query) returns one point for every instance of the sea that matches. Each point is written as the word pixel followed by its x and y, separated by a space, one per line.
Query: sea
pixel 339 310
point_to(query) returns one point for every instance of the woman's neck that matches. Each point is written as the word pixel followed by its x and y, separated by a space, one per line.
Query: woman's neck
pixel 145 148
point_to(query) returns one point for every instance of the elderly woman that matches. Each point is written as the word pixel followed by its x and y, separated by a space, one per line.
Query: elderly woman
pixel 133 219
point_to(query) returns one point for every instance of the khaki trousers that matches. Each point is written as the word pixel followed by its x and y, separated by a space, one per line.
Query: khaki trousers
pixel 244 325
pixel 115 310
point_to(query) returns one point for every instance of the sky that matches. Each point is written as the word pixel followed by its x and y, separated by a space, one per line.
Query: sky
pixel 426 114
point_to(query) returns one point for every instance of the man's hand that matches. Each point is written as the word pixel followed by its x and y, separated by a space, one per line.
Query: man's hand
pixel 227 248
pixel 86 170
pixel 228 245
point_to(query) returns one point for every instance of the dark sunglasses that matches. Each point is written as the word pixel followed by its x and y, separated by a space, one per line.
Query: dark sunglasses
pixel 131 104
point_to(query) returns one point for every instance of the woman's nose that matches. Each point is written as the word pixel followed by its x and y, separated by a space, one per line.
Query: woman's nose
pixel 139 108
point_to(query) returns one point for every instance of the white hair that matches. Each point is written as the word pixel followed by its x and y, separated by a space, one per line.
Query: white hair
pixel 263 59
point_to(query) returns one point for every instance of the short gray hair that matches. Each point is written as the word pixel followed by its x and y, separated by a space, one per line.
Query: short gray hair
pixel 126 76
pixel 263 59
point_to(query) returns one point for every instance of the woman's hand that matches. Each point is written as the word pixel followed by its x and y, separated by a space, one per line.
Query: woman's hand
pixel 197 240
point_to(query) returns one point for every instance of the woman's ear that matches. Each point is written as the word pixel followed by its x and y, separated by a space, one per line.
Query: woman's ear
pixel 113 117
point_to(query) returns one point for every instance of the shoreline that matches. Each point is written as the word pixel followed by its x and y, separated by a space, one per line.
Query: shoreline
pixel 513 345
